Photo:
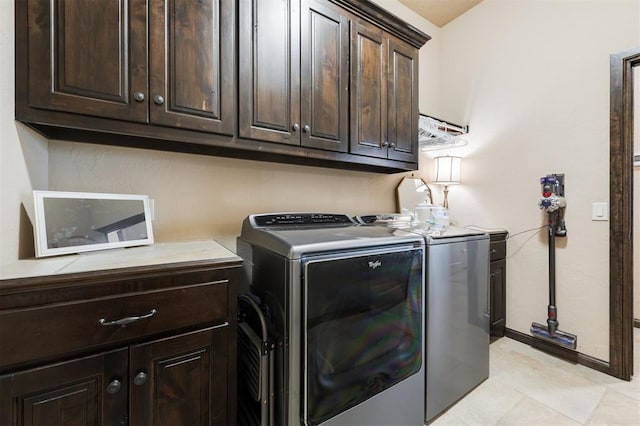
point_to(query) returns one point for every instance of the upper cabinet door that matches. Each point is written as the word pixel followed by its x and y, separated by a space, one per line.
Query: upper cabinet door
pixel 88 57
pixel 384 95
pixel 269 70
pixel 324 76
pixel 192 64
pixel 402 107
pixel 368 90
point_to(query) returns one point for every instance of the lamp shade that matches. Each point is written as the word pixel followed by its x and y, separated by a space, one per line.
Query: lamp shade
pixel 448 170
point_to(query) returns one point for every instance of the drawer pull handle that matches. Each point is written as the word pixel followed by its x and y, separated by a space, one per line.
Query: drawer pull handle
pixel 493 251
pixel 126 320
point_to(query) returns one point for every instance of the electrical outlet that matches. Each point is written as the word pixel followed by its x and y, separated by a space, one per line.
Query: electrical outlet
pixel 600 211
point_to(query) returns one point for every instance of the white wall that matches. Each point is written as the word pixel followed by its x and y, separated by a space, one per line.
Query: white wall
pixel 531 78
pixel 196 197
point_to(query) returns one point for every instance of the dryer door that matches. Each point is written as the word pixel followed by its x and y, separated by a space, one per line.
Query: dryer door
pixel 362 327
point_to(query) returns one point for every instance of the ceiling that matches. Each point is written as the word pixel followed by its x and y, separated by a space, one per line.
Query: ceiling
pixel 440 12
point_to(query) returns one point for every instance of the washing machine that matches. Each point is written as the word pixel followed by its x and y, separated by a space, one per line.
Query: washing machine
pixel 457 309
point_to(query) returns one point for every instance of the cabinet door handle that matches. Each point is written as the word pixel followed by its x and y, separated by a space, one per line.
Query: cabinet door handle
pixel 138 96
pixel 392 145
pixel 492 251
pixel 126 320
pixel 306 128
pixel 158 99
pixel 114 386
pixel 295 127
pixel 140 378
pixel 385 143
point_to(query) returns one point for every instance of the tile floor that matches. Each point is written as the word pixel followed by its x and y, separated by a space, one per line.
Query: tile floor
pixel 529 387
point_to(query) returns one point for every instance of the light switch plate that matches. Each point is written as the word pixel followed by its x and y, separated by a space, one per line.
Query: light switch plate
pixel 600 211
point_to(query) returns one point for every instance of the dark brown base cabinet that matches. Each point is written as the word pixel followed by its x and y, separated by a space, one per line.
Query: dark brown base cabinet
pixel 330 83
pixel 175 367
pixel 498 282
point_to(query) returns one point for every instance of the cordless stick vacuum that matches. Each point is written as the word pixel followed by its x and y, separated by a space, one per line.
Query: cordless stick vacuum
pixel 553 203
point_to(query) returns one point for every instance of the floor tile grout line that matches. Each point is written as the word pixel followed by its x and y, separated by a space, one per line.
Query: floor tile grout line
pixel 595 409
pixel 605 391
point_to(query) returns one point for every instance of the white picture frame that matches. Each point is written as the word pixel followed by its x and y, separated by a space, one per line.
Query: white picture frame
pixel 76 222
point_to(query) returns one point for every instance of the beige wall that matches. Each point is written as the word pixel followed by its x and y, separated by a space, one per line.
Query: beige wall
pixel 196 197
pixel 531 78
pixel 199 197
pixel 429 83
pixel 23 154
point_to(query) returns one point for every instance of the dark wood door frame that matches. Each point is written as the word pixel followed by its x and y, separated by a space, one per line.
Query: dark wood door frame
pixel 621 214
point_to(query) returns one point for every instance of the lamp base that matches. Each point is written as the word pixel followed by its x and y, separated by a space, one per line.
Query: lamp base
pixel 445 191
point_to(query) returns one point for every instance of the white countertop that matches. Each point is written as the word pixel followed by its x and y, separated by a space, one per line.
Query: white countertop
pixel 155 254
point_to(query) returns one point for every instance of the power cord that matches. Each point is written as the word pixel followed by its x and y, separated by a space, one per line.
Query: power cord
pixel 514 252
pixel 526 230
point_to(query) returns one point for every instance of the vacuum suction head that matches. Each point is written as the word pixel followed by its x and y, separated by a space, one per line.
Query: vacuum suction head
pixel 557 337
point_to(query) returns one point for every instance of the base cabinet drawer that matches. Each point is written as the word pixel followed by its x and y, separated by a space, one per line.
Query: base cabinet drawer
pixel 53 330
pixel 181 380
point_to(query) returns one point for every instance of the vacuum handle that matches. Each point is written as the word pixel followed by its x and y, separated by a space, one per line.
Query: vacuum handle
pixel 553 216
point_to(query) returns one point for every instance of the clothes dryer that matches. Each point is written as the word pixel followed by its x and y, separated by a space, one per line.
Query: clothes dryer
pixel 344 306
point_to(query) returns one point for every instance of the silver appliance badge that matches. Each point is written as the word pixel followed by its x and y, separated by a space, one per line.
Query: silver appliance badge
pixel 374 265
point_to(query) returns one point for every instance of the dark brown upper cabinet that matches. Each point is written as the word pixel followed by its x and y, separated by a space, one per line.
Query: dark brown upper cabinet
pixel 402 105
pixel 324 76
pixel 166 62
pixel 87 58
pixel 384 94
pixel 191 53
pixel 326 83
pixel 294 73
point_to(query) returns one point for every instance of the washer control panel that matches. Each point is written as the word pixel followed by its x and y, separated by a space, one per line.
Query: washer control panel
pixel 297 219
